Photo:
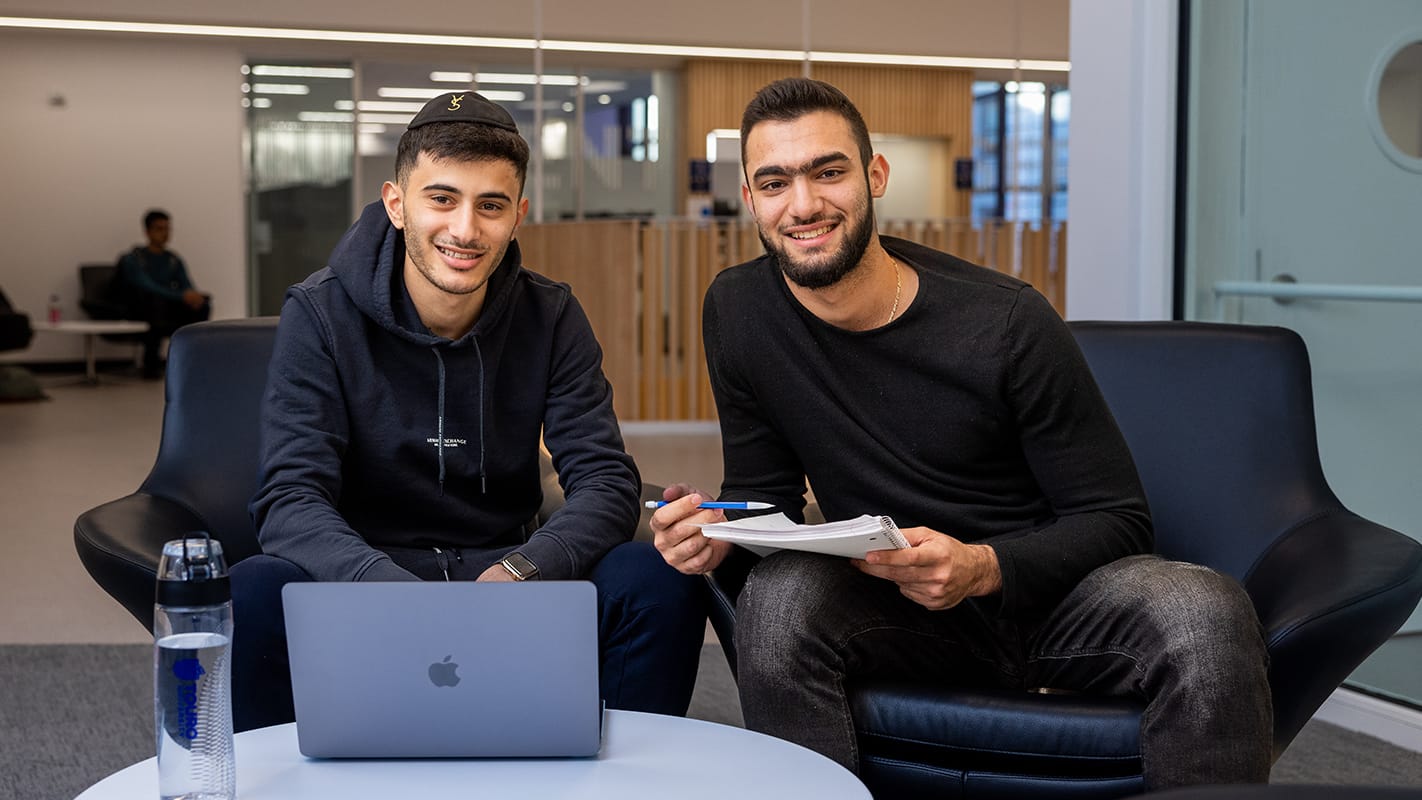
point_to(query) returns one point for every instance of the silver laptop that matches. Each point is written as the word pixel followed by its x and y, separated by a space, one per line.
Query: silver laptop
pixel 420 670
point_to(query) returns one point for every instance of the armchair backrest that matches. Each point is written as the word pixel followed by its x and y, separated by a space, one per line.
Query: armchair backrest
pixel 207 459
pixel 96 295
pixel 1220 421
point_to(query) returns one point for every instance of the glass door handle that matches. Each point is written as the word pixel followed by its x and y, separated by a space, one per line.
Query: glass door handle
pixel 1284 288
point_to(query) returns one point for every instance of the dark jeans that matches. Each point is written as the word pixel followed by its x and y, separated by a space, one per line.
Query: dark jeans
pixel 1181 637
pixel 651 621
pixel 163 316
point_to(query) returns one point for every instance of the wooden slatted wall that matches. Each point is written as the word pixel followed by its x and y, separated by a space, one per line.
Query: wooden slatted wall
pixel 600 260
pixel 642 285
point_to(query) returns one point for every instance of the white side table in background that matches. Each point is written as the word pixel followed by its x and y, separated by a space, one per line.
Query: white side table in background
pixel 91 330
pixel 643 756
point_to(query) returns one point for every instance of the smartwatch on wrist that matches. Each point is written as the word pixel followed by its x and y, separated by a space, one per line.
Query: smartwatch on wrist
pixel 518 566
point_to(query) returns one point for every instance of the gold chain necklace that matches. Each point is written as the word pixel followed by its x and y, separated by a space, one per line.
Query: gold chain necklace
pixel 898 289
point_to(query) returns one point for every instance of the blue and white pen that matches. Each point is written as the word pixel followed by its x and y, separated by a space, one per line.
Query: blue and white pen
pixel 729 506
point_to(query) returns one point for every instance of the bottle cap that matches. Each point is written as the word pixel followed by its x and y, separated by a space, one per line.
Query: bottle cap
pixel 192 572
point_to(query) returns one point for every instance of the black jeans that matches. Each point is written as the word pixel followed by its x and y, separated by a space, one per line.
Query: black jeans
pixel 163 316
pixel 651 622
pixel 1181 637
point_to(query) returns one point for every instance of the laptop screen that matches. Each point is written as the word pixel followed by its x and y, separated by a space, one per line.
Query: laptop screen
pixel 459 669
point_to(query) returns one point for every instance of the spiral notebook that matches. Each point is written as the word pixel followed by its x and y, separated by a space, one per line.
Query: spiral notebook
pixel 851 538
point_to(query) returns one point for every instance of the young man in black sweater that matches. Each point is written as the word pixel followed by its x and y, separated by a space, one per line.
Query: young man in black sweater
pixel 899 380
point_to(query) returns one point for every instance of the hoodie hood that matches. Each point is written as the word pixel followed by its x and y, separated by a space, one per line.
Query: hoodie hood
pixel 370 258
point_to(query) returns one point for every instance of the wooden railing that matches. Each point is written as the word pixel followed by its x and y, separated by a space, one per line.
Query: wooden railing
pixel 642 283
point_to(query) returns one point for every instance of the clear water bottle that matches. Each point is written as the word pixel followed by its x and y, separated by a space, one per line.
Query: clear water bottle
pixel 192 672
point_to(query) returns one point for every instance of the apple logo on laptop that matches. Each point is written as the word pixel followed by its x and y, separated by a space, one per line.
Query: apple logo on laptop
pixel 442 673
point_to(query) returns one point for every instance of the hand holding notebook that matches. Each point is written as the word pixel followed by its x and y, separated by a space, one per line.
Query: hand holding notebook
pixel 851 538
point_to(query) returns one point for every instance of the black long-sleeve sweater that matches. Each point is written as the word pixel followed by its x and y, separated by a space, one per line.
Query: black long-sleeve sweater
pixel 973 413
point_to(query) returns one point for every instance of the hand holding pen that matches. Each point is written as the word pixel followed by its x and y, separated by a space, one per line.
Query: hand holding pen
pixel 676 529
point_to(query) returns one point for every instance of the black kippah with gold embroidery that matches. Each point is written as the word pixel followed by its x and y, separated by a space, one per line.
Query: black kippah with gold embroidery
pixel 463 107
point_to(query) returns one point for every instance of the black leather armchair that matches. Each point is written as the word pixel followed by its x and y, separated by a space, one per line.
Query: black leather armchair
pixel 1220 421
pixel 98 299
pixel 206 469
pixel 15 331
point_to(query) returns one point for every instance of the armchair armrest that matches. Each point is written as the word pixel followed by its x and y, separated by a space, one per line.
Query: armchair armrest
pixel 1328 593
pixel 102 309
pixel 120 541
pixel 726 582
pixel 650 491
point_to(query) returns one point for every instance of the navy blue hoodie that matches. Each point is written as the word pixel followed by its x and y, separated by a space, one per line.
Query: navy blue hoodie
pixel 377 433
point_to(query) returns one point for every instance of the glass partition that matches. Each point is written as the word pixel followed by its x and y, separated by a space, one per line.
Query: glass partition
pixel 602 135
pixel 300 146
pixel 1296 217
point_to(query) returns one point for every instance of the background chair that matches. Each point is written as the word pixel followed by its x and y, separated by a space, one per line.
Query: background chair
pixel 206 469
pixel 96 292
pixel 1219 419
pixel 100 301
pixel 15 330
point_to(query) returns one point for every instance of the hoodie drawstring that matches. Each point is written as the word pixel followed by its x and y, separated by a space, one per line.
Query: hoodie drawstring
pixel 439 445
pixel 439 442
pixel 483 488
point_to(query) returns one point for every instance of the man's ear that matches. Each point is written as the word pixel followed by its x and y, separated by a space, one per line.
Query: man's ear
pixel 522 213
pixel 394 201
pixel 746 197
pixel 878 176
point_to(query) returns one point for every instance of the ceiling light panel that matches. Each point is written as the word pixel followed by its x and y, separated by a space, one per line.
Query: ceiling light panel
pixel 524 79
pixel 280 88
pixel 273 71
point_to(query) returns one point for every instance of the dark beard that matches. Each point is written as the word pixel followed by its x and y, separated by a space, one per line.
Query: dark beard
pixel 820 274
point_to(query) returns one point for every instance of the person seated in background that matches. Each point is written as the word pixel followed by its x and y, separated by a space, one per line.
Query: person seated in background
pixel 152 285
pixel 410 384
pixel 901 381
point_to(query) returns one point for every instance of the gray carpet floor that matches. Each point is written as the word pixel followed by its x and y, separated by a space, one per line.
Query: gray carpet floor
pixel 72 714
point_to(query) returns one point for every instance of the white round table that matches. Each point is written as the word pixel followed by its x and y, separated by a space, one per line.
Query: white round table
pixel 91 329
pixel 643 756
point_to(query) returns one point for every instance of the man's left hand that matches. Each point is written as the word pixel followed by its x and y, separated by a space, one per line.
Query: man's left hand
pixel 936 571
pixel 495 573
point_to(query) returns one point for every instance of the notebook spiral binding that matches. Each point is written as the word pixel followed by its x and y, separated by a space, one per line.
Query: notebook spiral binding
pixel 891 530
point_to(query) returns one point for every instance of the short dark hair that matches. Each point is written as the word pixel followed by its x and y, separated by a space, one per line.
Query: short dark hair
pixel 461 141
pixel 789 99
pixel 154 215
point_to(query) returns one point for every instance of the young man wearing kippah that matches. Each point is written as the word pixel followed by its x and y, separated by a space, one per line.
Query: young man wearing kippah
pixel 411 381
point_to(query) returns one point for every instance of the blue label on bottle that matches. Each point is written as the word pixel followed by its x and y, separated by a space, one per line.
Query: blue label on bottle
pixel 188 669
pixel 187 703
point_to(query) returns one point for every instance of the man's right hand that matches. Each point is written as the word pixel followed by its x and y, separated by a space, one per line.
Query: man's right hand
pixel 677 531
pixel 193 298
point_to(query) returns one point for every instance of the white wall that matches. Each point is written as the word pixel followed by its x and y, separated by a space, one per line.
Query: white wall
pixel 147 124
pixel 1121 173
